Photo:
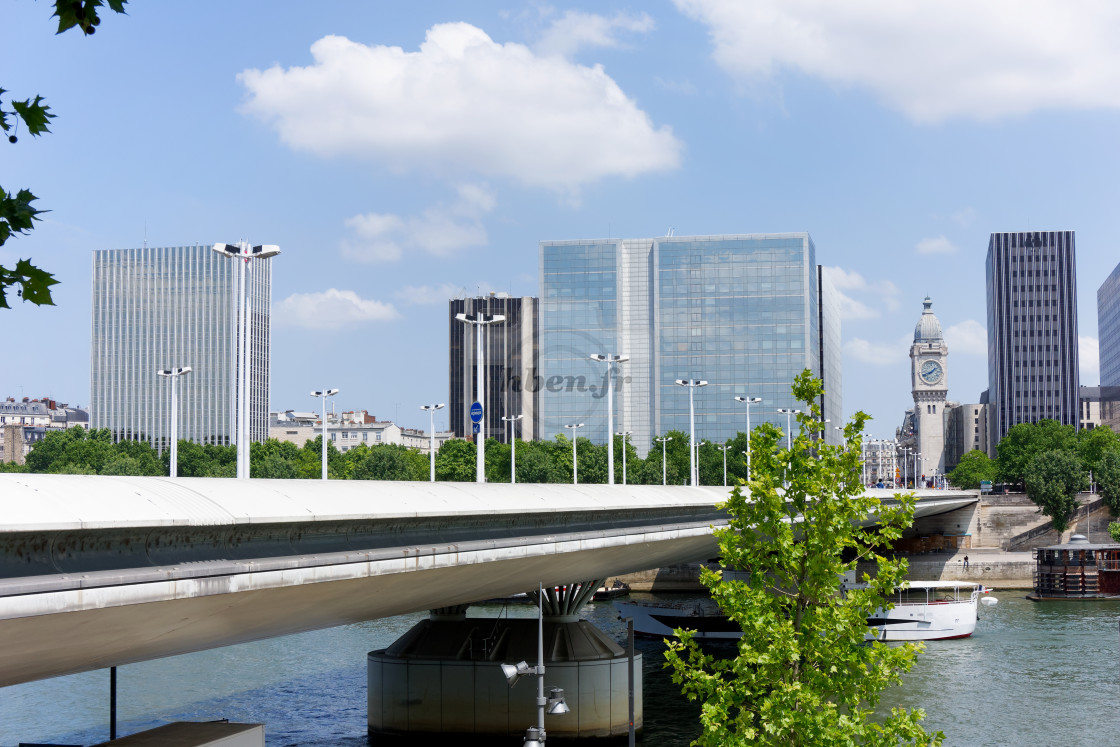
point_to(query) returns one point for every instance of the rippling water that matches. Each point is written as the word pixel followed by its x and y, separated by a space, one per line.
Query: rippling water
pixel 1042 674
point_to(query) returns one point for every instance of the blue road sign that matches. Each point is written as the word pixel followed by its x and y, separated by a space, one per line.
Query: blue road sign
pixel 476 428
pixel 476 412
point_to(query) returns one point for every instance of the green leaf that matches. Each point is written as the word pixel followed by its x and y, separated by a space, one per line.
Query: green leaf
pixel 71 13
pixel 34 114
pixel 16 213
pixel 36 284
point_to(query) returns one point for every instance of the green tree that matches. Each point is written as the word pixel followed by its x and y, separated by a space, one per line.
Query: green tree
pixel 455 461
pixel 1108 480
pixel 1025 441
pixel 17 214
pixel 385 462
pixel 676 460
pixel 802 673
pixel 1093 444
pixel 122 464
pixel 1114 531
pixel 12 467
pixel 973 468
pixel 1053 479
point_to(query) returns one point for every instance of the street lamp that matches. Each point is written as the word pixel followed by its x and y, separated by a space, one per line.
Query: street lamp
pixel 693 385
pixel 698 445
pixel 432 444
pixel 748 401
pixel 511 419
pixel 625 435
pixel 322 395
pixel 174 374
pixel 575 469
pixel 724 450
pixel 245 252
pixel 788 412
pixel 663 441
pixel 479 321
pixel 610 359
pixel 554 704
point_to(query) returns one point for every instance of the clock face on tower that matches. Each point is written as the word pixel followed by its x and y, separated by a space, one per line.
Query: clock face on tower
pixel 931 372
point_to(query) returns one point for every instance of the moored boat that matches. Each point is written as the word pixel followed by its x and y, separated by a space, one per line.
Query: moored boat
pixel 661 619
pixel 930 611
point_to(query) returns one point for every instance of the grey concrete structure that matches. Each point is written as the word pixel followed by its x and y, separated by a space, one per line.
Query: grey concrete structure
pixel 162 307
pixel 1032 329
pixel 929 386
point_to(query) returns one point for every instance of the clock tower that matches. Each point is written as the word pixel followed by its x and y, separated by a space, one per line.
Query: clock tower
pixel 928 382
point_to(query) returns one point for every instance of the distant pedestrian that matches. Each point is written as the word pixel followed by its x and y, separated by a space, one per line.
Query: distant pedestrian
pixel 966 562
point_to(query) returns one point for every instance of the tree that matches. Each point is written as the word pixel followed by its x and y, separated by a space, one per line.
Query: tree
pixel 385 462
pixel 973 468
pixel 1053 479
pixel 455 461
pixel 1114 531
pixel 802 673
pixel 1108 480
pixel 17 215
pixel 1093 444
pixel 1025 441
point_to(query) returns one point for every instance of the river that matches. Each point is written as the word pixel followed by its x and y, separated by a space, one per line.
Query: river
pixel 1032 674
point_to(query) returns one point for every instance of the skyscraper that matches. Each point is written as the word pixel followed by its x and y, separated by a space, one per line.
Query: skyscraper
pixel 1108 332
pixel 1032 329
pixel 742 312
pixel 162 307
pixel 510 355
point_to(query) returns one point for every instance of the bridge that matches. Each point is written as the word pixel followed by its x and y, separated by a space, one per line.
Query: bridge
pixel 104 571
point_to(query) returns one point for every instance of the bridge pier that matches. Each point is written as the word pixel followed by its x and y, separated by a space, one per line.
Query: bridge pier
pixel 444 676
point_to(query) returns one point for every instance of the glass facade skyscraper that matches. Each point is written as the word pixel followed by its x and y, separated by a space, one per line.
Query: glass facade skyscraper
pixel 746 313
pixel 162 307
pixel 1032 329
pixel 1108 332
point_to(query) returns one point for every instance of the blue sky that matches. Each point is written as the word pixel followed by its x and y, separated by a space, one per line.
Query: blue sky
pixel 402 153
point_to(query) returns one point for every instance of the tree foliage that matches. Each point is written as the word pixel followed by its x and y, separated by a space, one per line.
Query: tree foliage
pixel 1107 476
pixel 1025 441
pixel 1053 479
pixel 802 673
pixel 973 468
pixel 17 214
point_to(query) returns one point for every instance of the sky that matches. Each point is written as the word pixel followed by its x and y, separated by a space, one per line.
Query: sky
pixel 404 153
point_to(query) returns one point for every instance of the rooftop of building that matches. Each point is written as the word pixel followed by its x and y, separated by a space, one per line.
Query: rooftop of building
pixel 928 328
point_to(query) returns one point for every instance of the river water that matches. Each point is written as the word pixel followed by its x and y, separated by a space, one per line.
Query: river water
pixel 1043 674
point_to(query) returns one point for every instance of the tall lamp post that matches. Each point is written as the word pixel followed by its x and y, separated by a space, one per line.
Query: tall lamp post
pixel 625 435
pixel 575 467
pixel 432 443
pixel 554 704
pixel 693 385
pixel 244 251
pixel 479 321
pixel 511 419
pixel 788 412
pixel 322 395
pixel 610 359
pixel 724 450
pixel 663 441
pixel 174 374
pixel 748 401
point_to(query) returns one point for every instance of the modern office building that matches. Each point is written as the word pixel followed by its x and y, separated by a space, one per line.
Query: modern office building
pixel 966 429
pixel 746 313
pixel 1108 332
pixel 510 364
pixel 1032 329
pixel 162 307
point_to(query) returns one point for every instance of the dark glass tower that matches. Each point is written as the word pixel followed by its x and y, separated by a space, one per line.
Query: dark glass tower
pixel 1108 332
pixel 510 354
pixel 1032 329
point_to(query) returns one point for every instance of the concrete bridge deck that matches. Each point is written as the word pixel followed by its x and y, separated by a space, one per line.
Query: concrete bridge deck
pixel 103 571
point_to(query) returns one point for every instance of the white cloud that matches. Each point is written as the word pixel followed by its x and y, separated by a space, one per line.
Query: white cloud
pixel 935 245
pixel 432 295
pixel 575 30
pixel 441 230
pixel 331 309
pixel 930 59
pixel 1089 360
pixel 878 353
pixel 969 337
pixel 848 284
pixel 461 103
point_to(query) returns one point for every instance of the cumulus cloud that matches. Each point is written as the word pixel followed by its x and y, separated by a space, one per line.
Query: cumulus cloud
pixel 967 338
pixel 432 295
pixel 441 230
pixel 878 353
pixel 935 245
pixel 576 30
pixel 1089 360
pixel 331 309
pixel 462 102
pixel 848 284
pixel 933 60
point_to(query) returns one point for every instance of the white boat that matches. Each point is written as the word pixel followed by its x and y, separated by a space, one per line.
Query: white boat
pixel 921 611
pixel 660 619
pixel 930 611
